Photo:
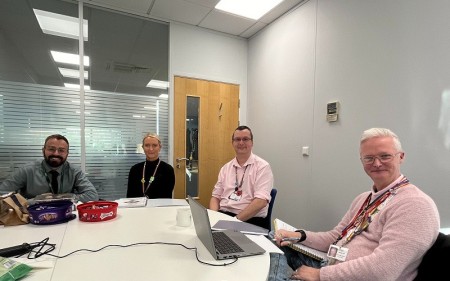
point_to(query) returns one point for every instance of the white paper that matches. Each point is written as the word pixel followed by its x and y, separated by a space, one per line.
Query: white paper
pixel 163 202
pixel 132 202
pixel 265 243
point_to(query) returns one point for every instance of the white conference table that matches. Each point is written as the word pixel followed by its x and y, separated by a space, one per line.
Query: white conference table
pixel 141 262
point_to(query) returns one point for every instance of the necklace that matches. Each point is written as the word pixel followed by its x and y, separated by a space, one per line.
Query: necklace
pixel 237 185
pixel 150 180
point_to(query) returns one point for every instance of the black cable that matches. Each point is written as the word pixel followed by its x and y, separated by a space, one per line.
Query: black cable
pixel 45 248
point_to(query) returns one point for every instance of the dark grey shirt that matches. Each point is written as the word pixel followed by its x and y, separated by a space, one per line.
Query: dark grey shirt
pixel 34 179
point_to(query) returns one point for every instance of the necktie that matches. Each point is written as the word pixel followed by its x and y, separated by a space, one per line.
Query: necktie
pixel 54 181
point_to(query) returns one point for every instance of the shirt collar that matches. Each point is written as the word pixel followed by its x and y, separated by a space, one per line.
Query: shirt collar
pixel 376 193
pixel 250 160
pixel 47 168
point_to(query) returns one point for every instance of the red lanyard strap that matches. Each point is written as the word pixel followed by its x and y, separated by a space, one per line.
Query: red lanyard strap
pixel 363 217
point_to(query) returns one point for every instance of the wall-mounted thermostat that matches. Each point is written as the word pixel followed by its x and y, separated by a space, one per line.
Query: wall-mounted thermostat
pixel 332 111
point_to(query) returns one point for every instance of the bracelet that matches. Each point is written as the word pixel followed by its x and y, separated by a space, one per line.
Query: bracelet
pixel 303 235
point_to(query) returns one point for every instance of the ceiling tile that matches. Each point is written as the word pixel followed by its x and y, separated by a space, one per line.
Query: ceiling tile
pixel 179 10
pixel 198 13
pixel 279 10
pixel 136 6
pixel 227 23
pixel 207 3
pixel 253 30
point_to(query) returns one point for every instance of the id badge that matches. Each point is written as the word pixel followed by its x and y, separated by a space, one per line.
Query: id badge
pixel 235 197
pixel 337 253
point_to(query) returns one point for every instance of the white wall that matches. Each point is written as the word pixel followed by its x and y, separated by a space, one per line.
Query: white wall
pixel 387 63
pixel 205 54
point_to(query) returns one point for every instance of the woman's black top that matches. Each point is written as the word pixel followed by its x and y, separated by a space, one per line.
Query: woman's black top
pixel 162 185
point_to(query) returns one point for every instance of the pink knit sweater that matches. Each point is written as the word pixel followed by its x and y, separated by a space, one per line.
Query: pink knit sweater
pixel 393 245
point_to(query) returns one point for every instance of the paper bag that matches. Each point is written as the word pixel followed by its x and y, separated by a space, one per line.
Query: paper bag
pixel 13 209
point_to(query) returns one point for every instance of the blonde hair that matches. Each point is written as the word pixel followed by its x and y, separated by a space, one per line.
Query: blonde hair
pixel 151 135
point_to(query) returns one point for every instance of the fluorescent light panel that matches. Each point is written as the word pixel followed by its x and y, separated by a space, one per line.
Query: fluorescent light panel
pixel 252 9
pixel 60 25
pixel 72 73
pixel 68 58
pixel 158 84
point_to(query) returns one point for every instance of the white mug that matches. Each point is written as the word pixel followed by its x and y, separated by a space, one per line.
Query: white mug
pixel 184 217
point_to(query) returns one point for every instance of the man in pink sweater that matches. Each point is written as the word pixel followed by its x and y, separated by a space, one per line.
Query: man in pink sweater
pixel 384 234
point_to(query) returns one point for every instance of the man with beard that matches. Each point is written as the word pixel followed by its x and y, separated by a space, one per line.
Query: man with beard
pixel 51 175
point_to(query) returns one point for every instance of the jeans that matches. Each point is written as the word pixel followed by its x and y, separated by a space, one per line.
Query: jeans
pixel 282 266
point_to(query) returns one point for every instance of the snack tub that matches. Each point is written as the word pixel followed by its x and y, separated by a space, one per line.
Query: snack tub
pixel 97 211
pixel 51 212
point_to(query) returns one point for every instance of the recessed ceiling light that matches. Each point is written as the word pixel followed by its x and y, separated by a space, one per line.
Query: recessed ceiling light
pixel 68 58
pixel 252 9
pixel 60 25
pixel 158 84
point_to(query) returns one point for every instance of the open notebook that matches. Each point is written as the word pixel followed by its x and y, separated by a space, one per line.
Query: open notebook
pixel 313 253
pixel 224 244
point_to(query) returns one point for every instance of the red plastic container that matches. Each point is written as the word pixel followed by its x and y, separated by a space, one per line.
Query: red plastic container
pixel 97 211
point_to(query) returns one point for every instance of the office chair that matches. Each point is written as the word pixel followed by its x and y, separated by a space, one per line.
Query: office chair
pixel 434 263
pixel 273 194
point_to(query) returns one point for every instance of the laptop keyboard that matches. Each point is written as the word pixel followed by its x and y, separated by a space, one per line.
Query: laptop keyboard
pixel 224 244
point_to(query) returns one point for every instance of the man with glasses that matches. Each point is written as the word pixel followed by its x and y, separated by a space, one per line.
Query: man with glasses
pixel 244 184
pixel 384 234
pixel 52 175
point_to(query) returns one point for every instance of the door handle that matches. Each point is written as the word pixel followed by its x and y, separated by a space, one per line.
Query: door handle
pixel 179 161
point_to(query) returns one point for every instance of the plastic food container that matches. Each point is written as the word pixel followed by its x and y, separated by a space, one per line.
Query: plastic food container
pixel 97 211
pixel 51 212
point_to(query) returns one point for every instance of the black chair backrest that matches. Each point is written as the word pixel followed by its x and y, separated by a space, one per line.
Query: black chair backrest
pixel 273 194
pixel 434 263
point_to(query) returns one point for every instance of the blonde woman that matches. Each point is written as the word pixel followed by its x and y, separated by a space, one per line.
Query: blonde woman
pixel 152 178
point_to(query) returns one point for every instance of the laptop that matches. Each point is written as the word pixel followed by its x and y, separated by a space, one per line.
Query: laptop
pixel 236 244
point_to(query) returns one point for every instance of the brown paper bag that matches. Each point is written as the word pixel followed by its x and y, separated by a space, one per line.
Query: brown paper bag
pixel 13 209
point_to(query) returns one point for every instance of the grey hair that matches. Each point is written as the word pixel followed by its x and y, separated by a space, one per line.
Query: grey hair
pixel 381 132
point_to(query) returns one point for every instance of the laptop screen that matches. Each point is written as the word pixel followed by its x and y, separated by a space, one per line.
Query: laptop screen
pixel 202 225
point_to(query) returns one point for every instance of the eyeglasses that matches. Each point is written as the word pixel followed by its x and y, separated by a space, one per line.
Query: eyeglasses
pixel 53 149
pixel 384 158
pixel 242 139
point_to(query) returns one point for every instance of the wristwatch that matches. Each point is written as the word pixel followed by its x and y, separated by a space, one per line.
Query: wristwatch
pixel 303 233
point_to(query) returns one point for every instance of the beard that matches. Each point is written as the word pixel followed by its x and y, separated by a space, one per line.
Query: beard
pixel 54 161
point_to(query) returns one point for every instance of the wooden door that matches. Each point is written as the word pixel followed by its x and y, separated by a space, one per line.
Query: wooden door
pixel 205 116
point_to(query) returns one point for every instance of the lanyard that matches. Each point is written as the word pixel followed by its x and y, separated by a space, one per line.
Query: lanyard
pixel 150 180
pixel 238 185
pixel 366 212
